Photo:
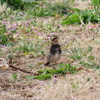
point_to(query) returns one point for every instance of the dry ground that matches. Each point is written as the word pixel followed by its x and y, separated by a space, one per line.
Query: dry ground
pixel 68 87
pixel 83 85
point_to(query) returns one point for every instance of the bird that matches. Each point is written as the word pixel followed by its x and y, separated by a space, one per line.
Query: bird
pixel 54 52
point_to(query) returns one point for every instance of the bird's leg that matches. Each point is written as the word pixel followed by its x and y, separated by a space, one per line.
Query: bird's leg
pixel 53 65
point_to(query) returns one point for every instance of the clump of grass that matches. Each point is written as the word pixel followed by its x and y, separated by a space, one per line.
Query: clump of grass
pixel 29 47
pixel 84 16
pixel 50 9
pixel 61 7
pixel 48 73
pixel 62 69
pixel 77 53
pixel 14 77
pixel 74 85
pixel 40 77
pixel 19 4
pixel 88 64
pixel 76 57
pixel 3 39
pixel 84 57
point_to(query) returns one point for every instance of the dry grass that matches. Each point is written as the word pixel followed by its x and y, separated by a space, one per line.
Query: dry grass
pixel 83 85
pixel 57 88
pixel 82 4
pixel 61 88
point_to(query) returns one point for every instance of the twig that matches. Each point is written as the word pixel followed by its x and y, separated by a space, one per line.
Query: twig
pixel 22 70
pixel 14 85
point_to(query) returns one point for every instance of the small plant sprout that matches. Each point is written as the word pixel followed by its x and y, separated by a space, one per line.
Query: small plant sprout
pixel 88 79
pixel 14 77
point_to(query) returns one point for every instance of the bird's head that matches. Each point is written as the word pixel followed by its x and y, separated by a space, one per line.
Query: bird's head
pixel 54 39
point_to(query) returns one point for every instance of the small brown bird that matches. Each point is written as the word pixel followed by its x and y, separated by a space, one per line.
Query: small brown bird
pixel 55 51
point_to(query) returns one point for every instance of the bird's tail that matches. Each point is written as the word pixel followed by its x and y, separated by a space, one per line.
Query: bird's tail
pixel 47 63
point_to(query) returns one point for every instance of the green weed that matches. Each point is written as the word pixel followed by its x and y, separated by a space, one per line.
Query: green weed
pixel 3 39
pixel 89 48
pixel 77 53
pixel 76 57
pixel 30 66
pixel 62 69
pixel 14 77
pixel 89 64
pixel 96 3
pixel 48 73
pixel 40 77
pixel 61 7
pixel 82 16
pixel 44 8
pixel 88 79
pixel 91 57
pixel 74 85
pixel 29 46
pixel 19 4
